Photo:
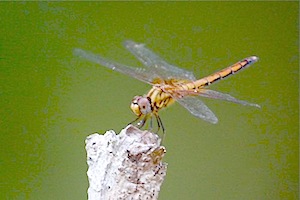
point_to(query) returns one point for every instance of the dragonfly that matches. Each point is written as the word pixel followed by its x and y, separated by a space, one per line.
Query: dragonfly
pixel 169 84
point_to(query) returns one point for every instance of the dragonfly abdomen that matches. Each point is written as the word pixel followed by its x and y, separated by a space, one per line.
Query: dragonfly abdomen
pixel 225 72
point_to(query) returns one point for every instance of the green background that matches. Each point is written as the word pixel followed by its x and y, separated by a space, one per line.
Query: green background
pixel 51 101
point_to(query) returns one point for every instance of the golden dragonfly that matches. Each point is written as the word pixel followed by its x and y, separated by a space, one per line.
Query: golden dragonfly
pixel 169 84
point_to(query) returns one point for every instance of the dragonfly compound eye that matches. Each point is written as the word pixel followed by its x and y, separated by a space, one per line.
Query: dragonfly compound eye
pixel 140 106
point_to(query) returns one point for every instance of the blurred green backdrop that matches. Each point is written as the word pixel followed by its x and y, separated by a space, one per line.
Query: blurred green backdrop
pixel 51 101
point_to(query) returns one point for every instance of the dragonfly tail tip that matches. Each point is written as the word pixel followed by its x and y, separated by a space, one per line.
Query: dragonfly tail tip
pixel 254 58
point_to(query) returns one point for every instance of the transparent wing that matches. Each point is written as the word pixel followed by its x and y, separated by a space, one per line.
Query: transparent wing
pixel 156 64
pixel 141 74
pixel 196 107
pixel 218 95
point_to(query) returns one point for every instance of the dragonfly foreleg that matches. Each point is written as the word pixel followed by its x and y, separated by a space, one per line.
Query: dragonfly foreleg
pixel 142 122
pixel 134 120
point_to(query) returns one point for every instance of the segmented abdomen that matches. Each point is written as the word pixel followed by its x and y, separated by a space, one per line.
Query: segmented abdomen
pixel 223 73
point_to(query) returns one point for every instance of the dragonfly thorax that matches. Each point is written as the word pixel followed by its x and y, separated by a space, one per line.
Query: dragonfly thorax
pixel 141 105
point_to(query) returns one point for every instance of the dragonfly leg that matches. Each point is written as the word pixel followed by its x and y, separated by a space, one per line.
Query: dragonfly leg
pixel 134 120
pixel 160 125
pixel 151 123
pixel 141 123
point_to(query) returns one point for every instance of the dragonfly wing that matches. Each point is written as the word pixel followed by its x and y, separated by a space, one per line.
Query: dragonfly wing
pixel 160 67
pixel 218 95
pixel 197 108
pixel 138 73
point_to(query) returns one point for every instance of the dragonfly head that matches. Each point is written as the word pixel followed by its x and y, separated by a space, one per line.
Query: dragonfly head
pixel 141 105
